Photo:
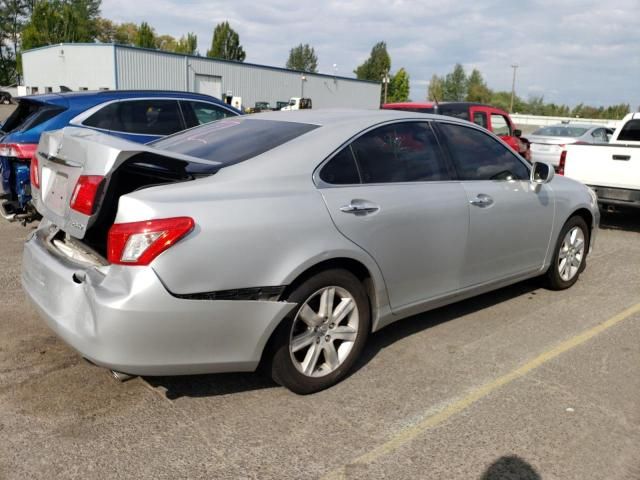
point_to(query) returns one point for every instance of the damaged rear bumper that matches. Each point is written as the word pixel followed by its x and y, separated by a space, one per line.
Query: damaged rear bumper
pixel 124 319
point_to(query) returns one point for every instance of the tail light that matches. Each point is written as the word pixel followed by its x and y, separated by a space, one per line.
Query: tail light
pixel 84 195
pixel 138 243
pixel 563 160
pixel 23 152
pixel 34 175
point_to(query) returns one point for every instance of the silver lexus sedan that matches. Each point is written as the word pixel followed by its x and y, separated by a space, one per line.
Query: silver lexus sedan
pixel 285 239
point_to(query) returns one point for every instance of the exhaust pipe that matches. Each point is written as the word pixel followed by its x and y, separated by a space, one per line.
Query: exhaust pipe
pixel 4 213
pixel 121 377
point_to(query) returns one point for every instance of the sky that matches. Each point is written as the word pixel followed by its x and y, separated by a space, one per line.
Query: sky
pixel 568 51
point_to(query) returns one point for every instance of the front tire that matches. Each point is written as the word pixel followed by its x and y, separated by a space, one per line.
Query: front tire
pixel 570 256
pixel 318 343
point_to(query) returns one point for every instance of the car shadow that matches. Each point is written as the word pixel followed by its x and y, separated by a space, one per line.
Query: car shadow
pixel 628 220
pixel 423 321
pixel 229 383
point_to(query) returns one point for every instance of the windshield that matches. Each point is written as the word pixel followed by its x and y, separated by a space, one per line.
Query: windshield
pixel 232 140
pixel 561 131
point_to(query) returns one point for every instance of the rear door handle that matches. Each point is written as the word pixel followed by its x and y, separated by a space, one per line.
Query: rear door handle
pixel 621 157
pixel 482 200
pixel 359 207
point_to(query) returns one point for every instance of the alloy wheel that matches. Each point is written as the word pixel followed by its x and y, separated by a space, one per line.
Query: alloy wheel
pixel 571 254
pixel 324 331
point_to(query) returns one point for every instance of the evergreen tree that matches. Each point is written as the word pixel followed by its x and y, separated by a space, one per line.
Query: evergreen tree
pixel 435 92
pixel 303 58
pixel 455 85
pixel 376 66
pixel 226 44
pixel 477 90
pixel 145 36
pixel 188 44
pixel 399 87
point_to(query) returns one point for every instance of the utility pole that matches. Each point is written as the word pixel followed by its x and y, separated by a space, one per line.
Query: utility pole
pixel 513 86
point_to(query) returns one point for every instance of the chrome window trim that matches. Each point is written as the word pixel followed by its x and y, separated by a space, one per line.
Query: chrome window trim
pixel 319 183
pixel 78 120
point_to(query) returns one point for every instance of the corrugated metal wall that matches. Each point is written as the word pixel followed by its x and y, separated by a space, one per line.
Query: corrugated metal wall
pixel 159 70
pixel 96 66
pixel 146 69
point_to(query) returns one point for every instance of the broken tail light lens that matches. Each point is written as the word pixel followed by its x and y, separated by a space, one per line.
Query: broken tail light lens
pixel 84 195
pixel 138 243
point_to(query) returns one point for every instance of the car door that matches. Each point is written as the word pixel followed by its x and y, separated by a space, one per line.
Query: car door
pixel 509 222
pixel 390 191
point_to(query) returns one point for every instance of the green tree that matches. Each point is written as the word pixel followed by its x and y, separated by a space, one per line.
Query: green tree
pixel 376 66
pixel 58 21
pixel 303 58
pixel 145 36
pixel 126 33
pixel 105 30
pixel 477 90
pixel 399 87
pixel 187 45
pixel 435 92
pixel 165 42
pixel 226 44
pixel 455 85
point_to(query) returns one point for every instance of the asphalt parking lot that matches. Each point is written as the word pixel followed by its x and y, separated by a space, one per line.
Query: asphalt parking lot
pixel 522 383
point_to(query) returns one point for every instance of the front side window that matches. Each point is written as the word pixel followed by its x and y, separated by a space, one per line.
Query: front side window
pixel 500 125
pixel 199 113
pixel 145 117
pixel 402 152
pixel 478 156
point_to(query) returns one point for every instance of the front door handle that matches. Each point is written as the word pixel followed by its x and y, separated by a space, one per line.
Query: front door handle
pixel 621 157
pixel 359 207
pixel 482 200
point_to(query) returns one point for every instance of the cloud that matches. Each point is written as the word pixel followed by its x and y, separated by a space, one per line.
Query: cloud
pixel 570 52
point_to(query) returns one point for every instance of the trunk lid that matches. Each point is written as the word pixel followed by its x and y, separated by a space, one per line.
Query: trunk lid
pixel 66 155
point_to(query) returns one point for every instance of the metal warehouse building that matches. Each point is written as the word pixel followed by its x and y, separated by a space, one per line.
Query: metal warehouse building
pixel 107 66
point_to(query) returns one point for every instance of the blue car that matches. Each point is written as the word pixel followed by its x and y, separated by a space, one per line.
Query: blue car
pixel 139 116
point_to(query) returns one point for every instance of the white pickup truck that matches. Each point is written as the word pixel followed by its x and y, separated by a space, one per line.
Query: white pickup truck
pixel 613 169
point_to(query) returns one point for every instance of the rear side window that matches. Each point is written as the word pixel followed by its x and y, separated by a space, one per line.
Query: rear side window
pixel 199 113
pixel 233 140
pixel 480 118
pixel 145 117
pixel 401 152
pixel 478 156
pixel 630 131
pixel 341 169
pixel 500 125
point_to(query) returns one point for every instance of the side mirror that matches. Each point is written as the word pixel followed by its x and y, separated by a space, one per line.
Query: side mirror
pixel 541 173
pixel 517 132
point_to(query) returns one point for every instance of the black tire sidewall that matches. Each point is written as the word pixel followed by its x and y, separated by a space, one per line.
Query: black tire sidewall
pixel 554 280
pixel 282 368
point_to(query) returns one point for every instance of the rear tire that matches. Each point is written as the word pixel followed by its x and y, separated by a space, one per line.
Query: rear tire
pixel 570 255
pixel 318 343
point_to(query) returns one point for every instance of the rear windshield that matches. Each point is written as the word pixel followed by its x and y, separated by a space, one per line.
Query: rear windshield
pixel 233 140
pixel 457 111
pixel 560 131
pixel 631 131
pixel 29 114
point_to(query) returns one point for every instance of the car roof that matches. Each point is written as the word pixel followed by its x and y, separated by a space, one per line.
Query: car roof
pixel 332 116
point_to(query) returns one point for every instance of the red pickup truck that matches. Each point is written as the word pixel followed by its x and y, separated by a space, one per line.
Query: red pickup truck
pixel 493 119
